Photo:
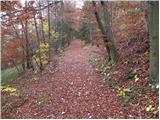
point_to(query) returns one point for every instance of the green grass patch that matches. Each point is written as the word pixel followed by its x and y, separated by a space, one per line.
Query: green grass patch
pixel 8 75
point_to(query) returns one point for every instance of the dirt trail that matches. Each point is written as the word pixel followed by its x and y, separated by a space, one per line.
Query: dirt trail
pixel 74 91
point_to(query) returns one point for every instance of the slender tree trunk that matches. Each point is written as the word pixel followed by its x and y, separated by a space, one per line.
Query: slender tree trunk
pixel 108 39
pixel 154 40
pixel 39 54
pixel 101 28
pixel 109 33
pixel 16 66
pixel 49 34
pixel 28 60
pixel 55 15
pixel 61 26
pixel 36 28
pixel 40 13
pixel 24 51
pixel 27 46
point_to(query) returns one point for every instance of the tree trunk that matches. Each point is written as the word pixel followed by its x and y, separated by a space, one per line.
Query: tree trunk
pixel 61 25
pixel 108 39
pixel 15 66
pixel 40 13
pixel 28 60
pixel 27 46
pixel 39 54
pixel 154 40
pixel 109 34
pixel 49 34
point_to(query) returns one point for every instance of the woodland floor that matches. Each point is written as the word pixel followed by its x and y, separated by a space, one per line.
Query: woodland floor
pixel 69 88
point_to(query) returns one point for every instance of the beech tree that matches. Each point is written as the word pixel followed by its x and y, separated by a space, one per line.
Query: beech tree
pixel 107 32
pixel 154 40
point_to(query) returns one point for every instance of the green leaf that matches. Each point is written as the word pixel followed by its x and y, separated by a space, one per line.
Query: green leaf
pixel 131 75
pixel 41 102
pixel 126 98
pixel 127 90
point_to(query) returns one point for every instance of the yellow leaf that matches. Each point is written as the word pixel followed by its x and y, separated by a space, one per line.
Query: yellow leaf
pixel 34 56
pixel 37 50
pixel 37 59
pixel 14 94
pixel 157 86
pixel 152 109
pixel 120 92
pixel 149 108
pixel 8 89
pixel 136 78
pixel 155 112
pixel 45 61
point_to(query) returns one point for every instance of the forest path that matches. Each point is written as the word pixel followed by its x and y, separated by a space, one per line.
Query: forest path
pixel 74 91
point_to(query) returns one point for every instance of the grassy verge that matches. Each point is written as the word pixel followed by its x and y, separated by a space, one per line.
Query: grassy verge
pixel 8 75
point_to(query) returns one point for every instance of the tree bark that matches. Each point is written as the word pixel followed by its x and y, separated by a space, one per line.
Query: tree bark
pixel 154 40
pixel 40 13
pixel 61 25
pixel 28 60
pixel 15 66
pixel 27 46
pixel 108 39
pixel 109 33
pixel 39 54
pixel 49 34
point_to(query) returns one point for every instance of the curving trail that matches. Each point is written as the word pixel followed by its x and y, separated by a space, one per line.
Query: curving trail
pixel 73 91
